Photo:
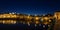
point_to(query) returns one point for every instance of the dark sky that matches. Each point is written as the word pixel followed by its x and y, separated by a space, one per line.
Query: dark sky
pixel 30 6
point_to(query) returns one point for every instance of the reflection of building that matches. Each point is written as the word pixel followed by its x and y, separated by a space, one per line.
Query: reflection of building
pixel 8 21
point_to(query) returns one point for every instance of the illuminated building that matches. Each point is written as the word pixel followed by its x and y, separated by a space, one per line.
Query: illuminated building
pixel 26 18
pixel 57 15
pixel 13 18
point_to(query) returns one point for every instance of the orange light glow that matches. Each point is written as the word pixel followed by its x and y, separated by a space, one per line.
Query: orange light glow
pixel 46 18
pixel 37 22
pixel 37 18
pixel 8 21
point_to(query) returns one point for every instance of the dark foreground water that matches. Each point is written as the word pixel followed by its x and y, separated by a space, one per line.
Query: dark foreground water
pixel 21 27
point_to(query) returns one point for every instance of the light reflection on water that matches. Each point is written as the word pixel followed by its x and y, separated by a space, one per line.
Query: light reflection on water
pixel 20 26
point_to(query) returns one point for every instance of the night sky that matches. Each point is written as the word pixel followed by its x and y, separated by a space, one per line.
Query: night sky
pixel 30 6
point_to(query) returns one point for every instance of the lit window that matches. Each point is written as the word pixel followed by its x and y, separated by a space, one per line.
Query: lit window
pixel 8 16
pixel 13 16
pixel 37 18
pixel 28 17
pixel 4 16
pixel 46 18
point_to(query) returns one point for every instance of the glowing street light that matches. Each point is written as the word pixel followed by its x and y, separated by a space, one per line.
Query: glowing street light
pixel 37 18
pixel 46 18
